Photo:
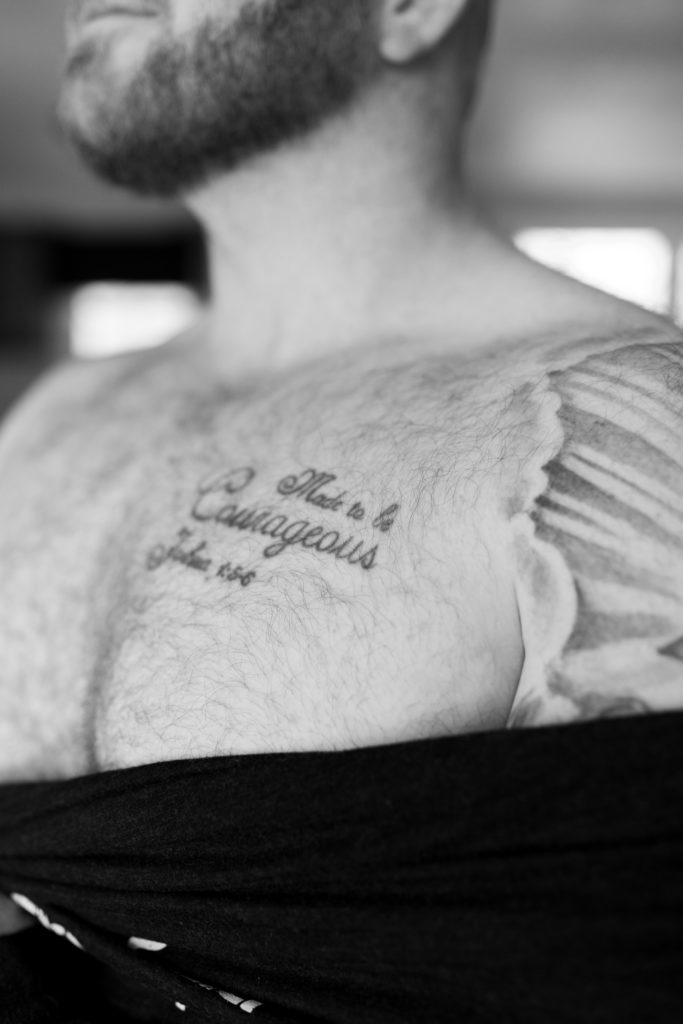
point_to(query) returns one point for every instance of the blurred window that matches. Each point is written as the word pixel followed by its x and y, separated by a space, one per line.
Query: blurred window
pixel 634 264
pixel 107 318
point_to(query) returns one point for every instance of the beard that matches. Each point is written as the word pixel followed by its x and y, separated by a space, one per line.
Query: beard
pixel 200 106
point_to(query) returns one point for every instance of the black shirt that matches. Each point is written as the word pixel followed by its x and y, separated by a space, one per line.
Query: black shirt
pixel 528 877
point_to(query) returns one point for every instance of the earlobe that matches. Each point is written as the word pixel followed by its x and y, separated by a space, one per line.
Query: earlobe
pixel 410 28
pixel 400 35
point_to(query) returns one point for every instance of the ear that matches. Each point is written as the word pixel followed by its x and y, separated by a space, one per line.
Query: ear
pixel 410 28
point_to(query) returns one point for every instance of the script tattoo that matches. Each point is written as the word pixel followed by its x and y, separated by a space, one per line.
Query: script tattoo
pixel 310 485
pixel 196 558
pixel 218 501
pixel 193 559
pixel 313 488
pixel 386 519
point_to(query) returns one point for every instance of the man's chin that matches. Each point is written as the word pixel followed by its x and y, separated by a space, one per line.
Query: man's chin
pixel 94 112
pixel 117 166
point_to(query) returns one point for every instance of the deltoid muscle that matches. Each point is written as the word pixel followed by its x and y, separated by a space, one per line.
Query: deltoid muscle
pixel 599 544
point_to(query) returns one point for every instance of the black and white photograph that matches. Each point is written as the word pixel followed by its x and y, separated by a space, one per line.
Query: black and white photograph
pixel 341 511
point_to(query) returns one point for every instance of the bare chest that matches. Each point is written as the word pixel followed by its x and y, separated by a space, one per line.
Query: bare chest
pixel 237 579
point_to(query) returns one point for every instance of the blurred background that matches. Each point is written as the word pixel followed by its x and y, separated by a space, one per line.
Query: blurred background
pixel 577 152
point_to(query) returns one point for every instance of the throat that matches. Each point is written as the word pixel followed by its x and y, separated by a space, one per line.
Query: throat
pixel 321 263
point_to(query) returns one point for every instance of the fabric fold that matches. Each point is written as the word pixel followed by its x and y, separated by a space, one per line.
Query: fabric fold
pixel 532 876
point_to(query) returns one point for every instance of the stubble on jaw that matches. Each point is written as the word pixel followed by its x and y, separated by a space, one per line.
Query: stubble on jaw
pixel 205 103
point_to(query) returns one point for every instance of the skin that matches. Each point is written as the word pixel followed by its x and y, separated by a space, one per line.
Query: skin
pixel 12 919
pixel 372 500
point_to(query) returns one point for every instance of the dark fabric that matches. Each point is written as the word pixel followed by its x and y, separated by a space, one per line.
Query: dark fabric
pixel 44 981
pixel 529 877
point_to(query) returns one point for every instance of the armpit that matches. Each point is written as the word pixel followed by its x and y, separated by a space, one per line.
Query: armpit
pixel 600 543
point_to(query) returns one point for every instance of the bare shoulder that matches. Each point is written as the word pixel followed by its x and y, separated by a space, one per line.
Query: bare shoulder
pixel 60 400
pixel 354 543
pixel 600 541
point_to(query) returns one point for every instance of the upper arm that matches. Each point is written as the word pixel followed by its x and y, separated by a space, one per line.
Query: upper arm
pixel 601 569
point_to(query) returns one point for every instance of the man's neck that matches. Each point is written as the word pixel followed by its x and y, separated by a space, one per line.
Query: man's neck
pixel 329 244
pixel 361 235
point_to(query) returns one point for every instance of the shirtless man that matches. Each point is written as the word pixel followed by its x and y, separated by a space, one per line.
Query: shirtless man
pixel 400 482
